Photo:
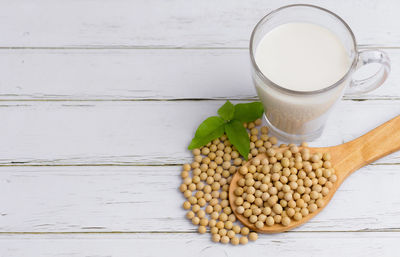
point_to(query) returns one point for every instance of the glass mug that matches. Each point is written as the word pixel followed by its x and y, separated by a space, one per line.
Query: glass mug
pixel 301 115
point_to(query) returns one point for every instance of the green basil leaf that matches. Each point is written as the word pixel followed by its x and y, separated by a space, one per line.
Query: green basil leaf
pixel 248 112
pixel 201 141
pixel 209 129
pixel 209 125
pixel 238 136
pixel 227 110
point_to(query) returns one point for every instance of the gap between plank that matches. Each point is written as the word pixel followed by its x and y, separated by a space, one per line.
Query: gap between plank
pixel 157 47
pixel 192 232
pixel 21 164
pixel 357 99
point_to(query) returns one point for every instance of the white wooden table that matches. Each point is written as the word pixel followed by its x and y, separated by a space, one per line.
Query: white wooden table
pixel 99 100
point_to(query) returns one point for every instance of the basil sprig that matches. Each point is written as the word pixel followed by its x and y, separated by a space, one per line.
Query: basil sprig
pixel 230 121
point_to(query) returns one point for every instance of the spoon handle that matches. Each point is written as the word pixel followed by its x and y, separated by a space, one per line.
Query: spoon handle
pixel 376 144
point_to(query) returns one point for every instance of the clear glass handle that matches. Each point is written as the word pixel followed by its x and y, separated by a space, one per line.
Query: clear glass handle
pixel 365 57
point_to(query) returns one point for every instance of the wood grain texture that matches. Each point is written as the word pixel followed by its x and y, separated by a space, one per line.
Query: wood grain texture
pixel 65 66
pixel 176 245
pixel 177 23
pixel 147 199
pixel 144 74
pixel 141 133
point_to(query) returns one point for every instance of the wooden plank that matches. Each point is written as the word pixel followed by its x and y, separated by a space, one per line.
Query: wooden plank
pixel 140 74
pixel 287 244
pixel 177 23
pixel 146 199
pixel 135 132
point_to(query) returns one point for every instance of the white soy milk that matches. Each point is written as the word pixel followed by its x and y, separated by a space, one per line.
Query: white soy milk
pixel 300 57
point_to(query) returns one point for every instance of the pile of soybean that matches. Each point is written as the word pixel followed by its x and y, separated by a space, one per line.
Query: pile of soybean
pixel 285 186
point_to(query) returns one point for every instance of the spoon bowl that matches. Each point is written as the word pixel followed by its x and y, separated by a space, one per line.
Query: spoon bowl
pixel 345 158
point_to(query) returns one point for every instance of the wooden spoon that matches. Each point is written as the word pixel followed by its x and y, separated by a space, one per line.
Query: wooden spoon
pixel 346 158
